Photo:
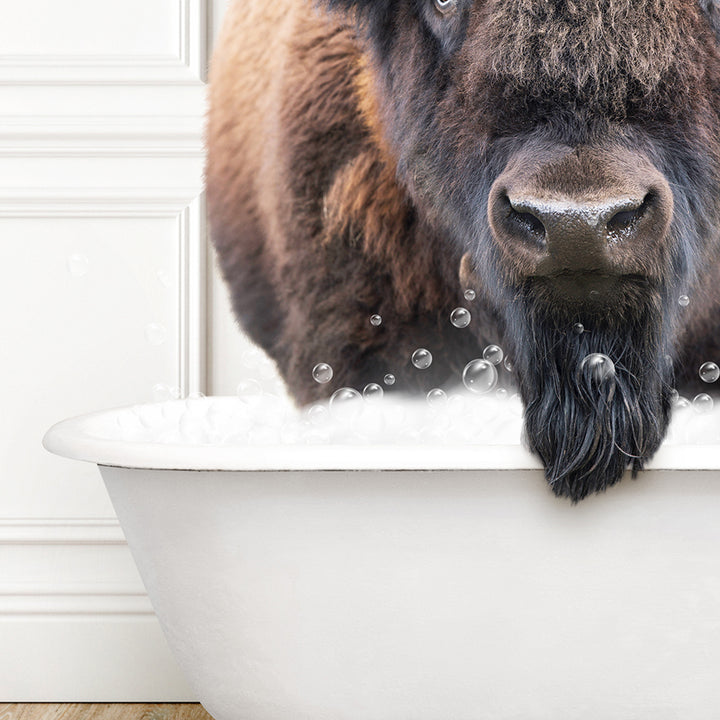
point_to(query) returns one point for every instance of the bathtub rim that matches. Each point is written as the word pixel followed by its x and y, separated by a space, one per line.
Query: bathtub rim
pixel 73 438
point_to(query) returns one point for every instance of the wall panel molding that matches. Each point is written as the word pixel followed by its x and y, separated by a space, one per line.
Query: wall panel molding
pixel 186 66
pixel 61 531
pixel 76 545
pixel 33 600
pixel 129 136
pixel 186 207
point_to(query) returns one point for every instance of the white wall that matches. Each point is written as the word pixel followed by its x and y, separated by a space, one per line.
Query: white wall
pixel 106 290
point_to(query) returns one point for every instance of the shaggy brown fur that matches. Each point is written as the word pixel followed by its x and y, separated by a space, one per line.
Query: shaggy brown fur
pixel 358 150
pixel 313 231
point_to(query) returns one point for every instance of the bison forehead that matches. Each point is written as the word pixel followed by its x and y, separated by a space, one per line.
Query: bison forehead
pixel 604 49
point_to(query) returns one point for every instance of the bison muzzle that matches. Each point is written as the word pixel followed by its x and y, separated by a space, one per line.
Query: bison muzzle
pixel 561 158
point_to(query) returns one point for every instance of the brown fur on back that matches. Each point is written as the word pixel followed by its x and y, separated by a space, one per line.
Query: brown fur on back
pixel 313 232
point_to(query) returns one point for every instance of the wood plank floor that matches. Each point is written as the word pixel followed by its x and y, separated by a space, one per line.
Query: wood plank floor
pixel 103 711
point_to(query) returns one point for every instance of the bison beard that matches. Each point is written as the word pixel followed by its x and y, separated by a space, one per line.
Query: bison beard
pixel 587 428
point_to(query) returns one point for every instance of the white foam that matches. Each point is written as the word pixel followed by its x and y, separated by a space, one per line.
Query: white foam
pixel 269 420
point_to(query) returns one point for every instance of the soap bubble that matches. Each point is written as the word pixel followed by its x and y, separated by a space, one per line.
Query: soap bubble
pixel 249 390
pixel 322 373
pixel 709 372
pixel 508 364
pixel 317 413
pixel 155 333
pixel 683 301
pixel 436 397
pixel 161 392
pixel 389 379
pixel 344 395
pixel 479 376
pixel 376 320
pixel 251 358
pixel 372 392
pixel 493 354
pixel 681 402
pixel 78 264
pixel 422 359
pixel 578 328
pixel 501 394
pixel 702 403
pixel 469 295
pixel 194 402
pixel 460 317
pixel 598 367
pixel 345 404
pixel 163 277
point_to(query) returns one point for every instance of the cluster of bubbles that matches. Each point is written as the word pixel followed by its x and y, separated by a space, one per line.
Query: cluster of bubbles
pixel 702 403
pixel 348 418
pixel 470 414
pixel 480 376
pixel 255 418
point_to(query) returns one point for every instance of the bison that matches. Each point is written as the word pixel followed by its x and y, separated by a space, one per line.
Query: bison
pixel 560 157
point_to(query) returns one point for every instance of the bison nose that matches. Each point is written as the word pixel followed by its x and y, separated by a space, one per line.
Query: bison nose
pixel 572 236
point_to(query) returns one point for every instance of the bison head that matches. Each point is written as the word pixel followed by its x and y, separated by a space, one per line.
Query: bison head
pixel 570 151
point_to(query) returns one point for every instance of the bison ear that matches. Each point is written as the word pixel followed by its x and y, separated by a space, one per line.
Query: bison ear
pixel 711 10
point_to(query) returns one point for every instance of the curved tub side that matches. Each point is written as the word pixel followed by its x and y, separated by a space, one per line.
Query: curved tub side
pixel 378 596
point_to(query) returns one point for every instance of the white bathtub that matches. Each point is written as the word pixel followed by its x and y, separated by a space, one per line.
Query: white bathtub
pixel 422 583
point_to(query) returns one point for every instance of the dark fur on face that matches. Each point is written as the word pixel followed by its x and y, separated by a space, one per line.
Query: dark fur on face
pixel 585 422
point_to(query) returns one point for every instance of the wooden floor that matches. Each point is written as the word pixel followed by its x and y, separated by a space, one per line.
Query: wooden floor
pixel 102 711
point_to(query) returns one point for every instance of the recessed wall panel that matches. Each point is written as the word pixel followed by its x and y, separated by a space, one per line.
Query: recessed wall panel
pixel 91 28
pixel 91 314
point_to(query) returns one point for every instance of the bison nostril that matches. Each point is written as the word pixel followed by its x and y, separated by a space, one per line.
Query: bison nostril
pixel 524 220
pixel 625 219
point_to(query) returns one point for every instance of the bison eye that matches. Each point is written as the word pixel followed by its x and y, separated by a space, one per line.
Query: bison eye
pixel 445 6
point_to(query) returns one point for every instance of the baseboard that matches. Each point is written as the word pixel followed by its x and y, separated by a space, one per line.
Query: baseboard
pixel 87 658
pixel 75 622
